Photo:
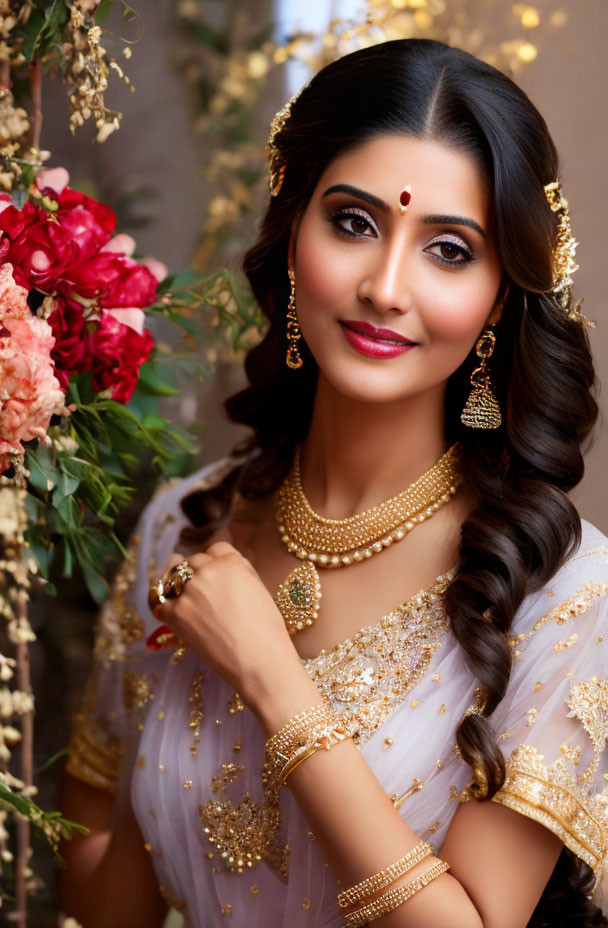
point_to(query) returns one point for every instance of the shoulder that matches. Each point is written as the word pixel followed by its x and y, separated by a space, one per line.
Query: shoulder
pixel 572 607
pixel 163 514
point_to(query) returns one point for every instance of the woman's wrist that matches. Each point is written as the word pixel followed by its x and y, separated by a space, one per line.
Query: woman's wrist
pixel 279 692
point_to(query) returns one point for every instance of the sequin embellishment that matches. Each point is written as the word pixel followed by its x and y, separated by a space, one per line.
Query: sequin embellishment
pixel 366 677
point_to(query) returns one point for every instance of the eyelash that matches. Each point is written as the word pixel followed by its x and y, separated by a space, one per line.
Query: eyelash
pixel 336 218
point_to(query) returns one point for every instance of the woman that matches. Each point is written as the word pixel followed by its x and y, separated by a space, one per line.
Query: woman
pixel 417 409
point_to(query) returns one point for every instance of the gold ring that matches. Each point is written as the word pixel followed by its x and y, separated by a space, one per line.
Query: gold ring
pixel 161 590
pixel 176 580
pixel 156 596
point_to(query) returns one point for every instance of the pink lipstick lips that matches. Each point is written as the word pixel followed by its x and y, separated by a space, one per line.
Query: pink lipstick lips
pixel 373 341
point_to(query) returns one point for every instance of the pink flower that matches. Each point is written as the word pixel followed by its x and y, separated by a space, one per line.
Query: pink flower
pixel 131 316
pixel 31 392
pixel 157 267
pixel 53 180
pixel 13 298
pixel 122 243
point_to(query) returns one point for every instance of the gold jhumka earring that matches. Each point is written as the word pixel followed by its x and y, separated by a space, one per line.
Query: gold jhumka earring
pixel 482 410
pixel 292 358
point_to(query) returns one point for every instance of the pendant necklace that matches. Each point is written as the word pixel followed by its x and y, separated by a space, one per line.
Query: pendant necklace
pixel 321 542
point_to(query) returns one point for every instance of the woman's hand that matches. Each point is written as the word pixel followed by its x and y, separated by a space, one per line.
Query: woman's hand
pixel 227 616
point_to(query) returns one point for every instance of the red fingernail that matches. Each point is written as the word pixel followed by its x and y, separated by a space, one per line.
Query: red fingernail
pixel 161 637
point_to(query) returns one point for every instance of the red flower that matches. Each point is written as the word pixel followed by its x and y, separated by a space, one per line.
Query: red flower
pixel 71 340
pixel 114 280
pixel 39 249
pixel 88 222
pixel 111 351
pixel 43 246
pixel 118 352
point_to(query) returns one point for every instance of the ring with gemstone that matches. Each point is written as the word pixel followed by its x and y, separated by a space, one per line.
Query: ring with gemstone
pixel 176 580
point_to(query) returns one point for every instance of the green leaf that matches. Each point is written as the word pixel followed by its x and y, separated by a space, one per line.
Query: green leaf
pixel 102 12
pixel 128 13
pixel 64 752
pixel 46 32
pixel 43 475
pixel 151 381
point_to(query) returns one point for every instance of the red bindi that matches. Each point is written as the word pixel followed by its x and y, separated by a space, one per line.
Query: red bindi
pixel 404 198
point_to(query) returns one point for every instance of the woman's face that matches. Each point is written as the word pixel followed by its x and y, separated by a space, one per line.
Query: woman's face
pixel 431 275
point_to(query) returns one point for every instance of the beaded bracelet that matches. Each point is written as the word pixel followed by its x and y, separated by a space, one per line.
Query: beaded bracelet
pixel 296 732
pixel 384 878
pixel 394 897
pixel 311 730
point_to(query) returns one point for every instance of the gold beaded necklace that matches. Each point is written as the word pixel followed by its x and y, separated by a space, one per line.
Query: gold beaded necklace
pixel 317 540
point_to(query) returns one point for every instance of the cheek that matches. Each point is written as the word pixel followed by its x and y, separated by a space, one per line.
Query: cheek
pixel 319 272
pixel 455 309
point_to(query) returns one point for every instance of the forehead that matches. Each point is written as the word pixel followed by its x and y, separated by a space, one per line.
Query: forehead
pixel 443 179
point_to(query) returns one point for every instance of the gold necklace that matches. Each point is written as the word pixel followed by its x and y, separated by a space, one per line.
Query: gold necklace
pixel 317 540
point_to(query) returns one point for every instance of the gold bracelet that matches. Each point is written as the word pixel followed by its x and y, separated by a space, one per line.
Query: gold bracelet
pixel 394 897
pixel 323 740
pixel 291 765
pixel 385 877
pixel 296 732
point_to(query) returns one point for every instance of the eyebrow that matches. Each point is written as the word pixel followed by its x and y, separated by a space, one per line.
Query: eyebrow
pixel 429 219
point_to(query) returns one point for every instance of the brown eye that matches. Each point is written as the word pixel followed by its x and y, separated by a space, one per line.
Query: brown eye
pixel 353 223
pixel 358 224
pixel 449 250
pixel 450 253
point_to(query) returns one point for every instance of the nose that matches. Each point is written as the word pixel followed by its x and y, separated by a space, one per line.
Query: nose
pixel 386 281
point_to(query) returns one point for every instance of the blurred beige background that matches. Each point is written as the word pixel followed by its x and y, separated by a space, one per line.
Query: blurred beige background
pixel 156 161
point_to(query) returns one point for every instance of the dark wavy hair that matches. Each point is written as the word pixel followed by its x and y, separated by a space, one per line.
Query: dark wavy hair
pixel 524 526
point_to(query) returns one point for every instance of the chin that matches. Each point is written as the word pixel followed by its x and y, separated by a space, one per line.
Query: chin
pixel 365 387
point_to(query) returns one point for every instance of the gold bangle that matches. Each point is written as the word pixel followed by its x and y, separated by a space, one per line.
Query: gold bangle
pixel 291 765
pixel 296 732
pixel 385 877
pixel 324 739
pixel 394 897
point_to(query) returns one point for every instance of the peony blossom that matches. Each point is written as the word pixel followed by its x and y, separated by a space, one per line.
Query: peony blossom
pixel 13 298
pixel 110 349
pixel 113 280
pixel 52 180
pixel 29 391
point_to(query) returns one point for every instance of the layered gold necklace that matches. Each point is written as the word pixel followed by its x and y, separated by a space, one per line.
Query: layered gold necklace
pixel 322 542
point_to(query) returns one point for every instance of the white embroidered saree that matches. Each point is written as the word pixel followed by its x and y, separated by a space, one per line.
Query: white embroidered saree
pixel 172 732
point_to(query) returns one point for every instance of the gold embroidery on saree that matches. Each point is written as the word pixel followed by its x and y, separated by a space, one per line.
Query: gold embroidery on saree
pixel 588 702
pixel 369 675
pixel 137 691
pixel 364 679
pixel 119 624
pixel 578 604
pixel 548 794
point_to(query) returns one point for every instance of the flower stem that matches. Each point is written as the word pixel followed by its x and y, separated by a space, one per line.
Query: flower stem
pixel 26 774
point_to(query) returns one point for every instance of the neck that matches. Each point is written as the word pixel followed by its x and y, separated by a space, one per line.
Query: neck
pixel 357 454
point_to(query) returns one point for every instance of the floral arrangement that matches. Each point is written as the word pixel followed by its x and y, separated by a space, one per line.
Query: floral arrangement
pixel 71 300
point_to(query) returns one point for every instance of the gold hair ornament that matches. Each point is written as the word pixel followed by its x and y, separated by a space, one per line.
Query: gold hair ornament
pixel 564 252
pixel 276 159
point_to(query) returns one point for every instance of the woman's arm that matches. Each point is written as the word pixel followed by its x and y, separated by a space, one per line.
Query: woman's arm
pixel 500 861
pixel 108 881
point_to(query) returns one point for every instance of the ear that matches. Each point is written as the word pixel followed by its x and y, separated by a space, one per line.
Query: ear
pixel 499 303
